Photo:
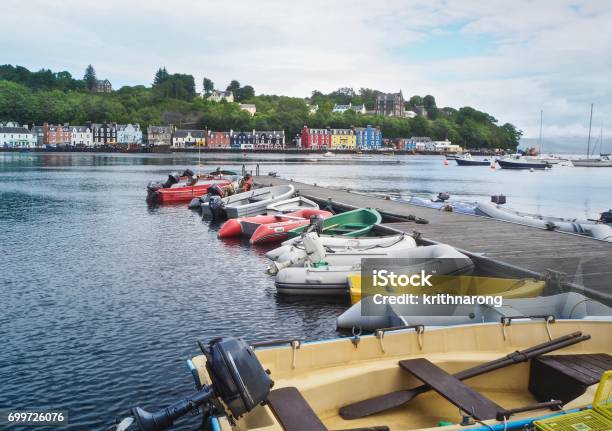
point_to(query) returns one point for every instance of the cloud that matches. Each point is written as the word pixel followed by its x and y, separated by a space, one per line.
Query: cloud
pixel 508 58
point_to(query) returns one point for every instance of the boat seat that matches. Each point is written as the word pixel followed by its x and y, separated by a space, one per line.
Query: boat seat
pixel 566 377
pixel 451 388
pixel 294 413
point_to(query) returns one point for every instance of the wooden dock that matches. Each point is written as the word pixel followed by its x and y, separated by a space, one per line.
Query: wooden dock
pixel 568 261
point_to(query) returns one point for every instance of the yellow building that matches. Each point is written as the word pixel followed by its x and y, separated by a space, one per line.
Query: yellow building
pixel 343 139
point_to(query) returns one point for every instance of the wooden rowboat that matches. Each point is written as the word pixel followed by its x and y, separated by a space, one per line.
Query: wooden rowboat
pixel 486 376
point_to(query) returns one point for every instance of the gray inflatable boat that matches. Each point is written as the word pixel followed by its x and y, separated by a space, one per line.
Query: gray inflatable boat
pixel 563 306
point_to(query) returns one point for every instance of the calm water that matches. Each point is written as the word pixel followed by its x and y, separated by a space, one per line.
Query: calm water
pixel 103 297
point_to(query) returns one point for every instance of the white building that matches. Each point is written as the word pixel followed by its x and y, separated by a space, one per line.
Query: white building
pixel 446 147
pixel 218 96
pixel 410 114
pixel 129 134
pixel 189 138
pixel 249 107
pixel 14 136
pixel 360 109
pixel 81 136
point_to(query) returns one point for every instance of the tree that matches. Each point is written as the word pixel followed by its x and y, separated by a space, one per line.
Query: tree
pixel 90 78
pixel 415 101
pixel 234 87
pixel 429 102
pixel 245 93
pixel 208 86
pixel 161 76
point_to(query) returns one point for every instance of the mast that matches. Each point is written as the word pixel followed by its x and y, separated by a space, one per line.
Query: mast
pixel 589 139
pixel 541 116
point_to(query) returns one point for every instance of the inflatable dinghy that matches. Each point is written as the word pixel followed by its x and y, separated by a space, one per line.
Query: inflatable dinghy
pixel 327 278
pixel 253 202
pixel 563 306
pixel 581 227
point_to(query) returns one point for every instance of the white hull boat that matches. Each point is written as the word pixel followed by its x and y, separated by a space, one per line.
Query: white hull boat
pixel 250 203
pixel 290 205
pixel 562 306
pixel 581 227
pixel 603 162
pixel 332 279
pixel 294 248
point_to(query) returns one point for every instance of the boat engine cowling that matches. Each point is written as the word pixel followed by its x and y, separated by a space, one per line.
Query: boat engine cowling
pixel 606 217
pixel 187 173
pixel 314 252
pixel 238 379
pixel 173 179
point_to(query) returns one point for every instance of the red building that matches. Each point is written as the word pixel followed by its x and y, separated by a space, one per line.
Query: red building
pixel 316 139
pixel 56 135
pixel 218 140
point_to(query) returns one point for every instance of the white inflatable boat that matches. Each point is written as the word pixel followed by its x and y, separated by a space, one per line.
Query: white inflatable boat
pixel 294 247
pixel 290 205
pixel 249 203
pixel 330 279
pixel 562 306
pixel 581 227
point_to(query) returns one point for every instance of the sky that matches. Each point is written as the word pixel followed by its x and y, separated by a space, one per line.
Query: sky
pixel 508 58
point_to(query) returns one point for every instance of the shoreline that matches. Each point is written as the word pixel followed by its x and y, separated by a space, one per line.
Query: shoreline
pixel 169 150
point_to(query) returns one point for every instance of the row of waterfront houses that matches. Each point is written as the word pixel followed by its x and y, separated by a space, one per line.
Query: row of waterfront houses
pixel 13 135
pixel 363 138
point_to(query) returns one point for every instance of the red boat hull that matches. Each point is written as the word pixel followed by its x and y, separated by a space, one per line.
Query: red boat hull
pixel 187 193
pixel 247 226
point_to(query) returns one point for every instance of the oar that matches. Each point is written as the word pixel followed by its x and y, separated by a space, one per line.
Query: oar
pixel 331 227
pixel 289 217
pixel 395 399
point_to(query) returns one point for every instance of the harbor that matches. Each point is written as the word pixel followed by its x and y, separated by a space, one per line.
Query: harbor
pixel 138 284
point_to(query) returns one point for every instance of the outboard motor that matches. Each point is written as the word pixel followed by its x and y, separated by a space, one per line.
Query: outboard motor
pixel 315 253
pixel 238 379
pixel 173 179
pixel 443 197
pixel 498 199
pixel 187 173
pixel 316 224
pixel 216 205
pixel 606 217
pixel 215 190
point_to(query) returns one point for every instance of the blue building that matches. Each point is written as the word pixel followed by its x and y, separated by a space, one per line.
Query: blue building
pixel 368 138
pixel 242 140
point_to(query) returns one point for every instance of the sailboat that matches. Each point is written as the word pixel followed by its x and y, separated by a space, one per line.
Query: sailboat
pixel 604 160
pixel 550 158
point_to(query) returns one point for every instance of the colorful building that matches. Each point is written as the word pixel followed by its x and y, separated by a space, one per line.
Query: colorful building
pixel 368 138
pixel 257 139
pixel 218 140
pixel 189 138
pixel 343 139
pixel 57 135
pixel 316 139
pixel 104 133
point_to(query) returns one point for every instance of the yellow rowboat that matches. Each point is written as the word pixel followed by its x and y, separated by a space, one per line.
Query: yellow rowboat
pixel 486 376
pixel 508 288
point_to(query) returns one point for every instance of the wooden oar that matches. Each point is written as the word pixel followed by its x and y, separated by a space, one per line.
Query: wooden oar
pixel 395 399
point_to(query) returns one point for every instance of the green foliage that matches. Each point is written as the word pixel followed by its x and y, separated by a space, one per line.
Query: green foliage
pixel 44 96
pixel 90 77
pixel 208 86
pixel 161 76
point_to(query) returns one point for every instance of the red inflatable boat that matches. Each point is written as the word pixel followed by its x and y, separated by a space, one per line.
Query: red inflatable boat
pixel 248 226
pixel 187 193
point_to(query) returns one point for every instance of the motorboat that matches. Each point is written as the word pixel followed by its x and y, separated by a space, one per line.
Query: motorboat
pixel 253 202
pixel 467 160
pixel 291 205
pixel 521 162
